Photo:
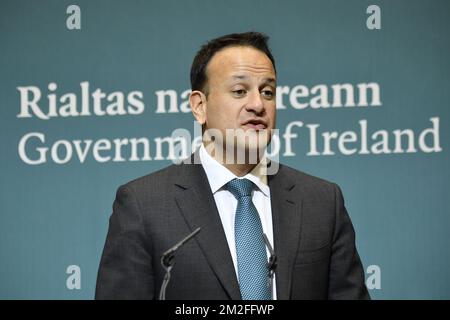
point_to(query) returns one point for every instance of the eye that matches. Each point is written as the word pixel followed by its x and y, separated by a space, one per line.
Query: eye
pixel 267 94
pixel 239 92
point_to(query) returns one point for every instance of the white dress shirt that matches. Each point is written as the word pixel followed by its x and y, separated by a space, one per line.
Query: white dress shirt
pixel 218 177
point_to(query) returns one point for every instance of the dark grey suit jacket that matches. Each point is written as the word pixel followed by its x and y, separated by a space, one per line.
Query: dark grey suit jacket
pixel 313 238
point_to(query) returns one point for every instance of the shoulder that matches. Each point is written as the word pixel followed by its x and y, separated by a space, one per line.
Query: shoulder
pixel 157 181
pixel 301 176
pixel 314 186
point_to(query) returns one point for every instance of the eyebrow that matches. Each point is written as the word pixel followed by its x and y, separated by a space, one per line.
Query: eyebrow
pixel 268 80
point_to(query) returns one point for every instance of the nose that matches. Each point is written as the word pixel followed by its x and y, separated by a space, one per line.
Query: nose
pixel 255 102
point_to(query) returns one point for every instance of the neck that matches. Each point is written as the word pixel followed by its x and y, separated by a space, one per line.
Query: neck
pixel 239 170
pixel 236 167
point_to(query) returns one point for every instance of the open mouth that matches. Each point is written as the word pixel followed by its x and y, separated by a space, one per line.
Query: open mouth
pixel 255 124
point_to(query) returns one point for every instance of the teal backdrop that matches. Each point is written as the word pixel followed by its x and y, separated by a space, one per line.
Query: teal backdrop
pixel 55 215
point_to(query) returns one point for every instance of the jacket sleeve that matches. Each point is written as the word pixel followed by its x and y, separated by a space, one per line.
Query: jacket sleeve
pixel 125 270
pixel 346 280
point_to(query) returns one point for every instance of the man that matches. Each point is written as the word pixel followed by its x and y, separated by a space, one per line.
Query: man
pixel 234 202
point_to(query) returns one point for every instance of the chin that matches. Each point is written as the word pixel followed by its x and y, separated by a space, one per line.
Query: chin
pixel 253 148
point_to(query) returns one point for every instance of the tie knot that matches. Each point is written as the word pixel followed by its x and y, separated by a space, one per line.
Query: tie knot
pixel 240 187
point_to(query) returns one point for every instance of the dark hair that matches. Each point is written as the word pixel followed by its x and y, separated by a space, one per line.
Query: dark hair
pixel 256 40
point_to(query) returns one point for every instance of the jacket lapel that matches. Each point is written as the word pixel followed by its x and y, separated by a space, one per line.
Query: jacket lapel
pixel 286 217
pixel 196 202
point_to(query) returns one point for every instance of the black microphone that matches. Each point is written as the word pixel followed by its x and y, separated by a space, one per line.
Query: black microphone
pixel 271 264
pixel 167 261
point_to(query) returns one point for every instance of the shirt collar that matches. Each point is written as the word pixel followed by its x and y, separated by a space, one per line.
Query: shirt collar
pixel 218 175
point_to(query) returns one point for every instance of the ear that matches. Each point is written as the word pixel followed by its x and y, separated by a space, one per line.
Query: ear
pixel 197 100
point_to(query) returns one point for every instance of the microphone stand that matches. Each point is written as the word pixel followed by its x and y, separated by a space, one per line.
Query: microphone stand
pixel 167 262
pixel 271 264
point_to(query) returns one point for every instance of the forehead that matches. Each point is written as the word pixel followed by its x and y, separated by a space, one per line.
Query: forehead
pixel 242 60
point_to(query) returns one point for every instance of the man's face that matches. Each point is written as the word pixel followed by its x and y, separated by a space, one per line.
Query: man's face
pixel 241 84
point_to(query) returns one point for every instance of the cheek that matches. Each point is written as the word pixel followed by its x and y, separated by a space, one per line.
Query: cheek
pixel 223 112
pixel 271 113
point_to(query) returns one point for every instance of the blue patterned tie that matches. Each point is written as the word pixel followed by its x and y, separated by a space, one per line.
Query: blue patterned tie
pixel 250 246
